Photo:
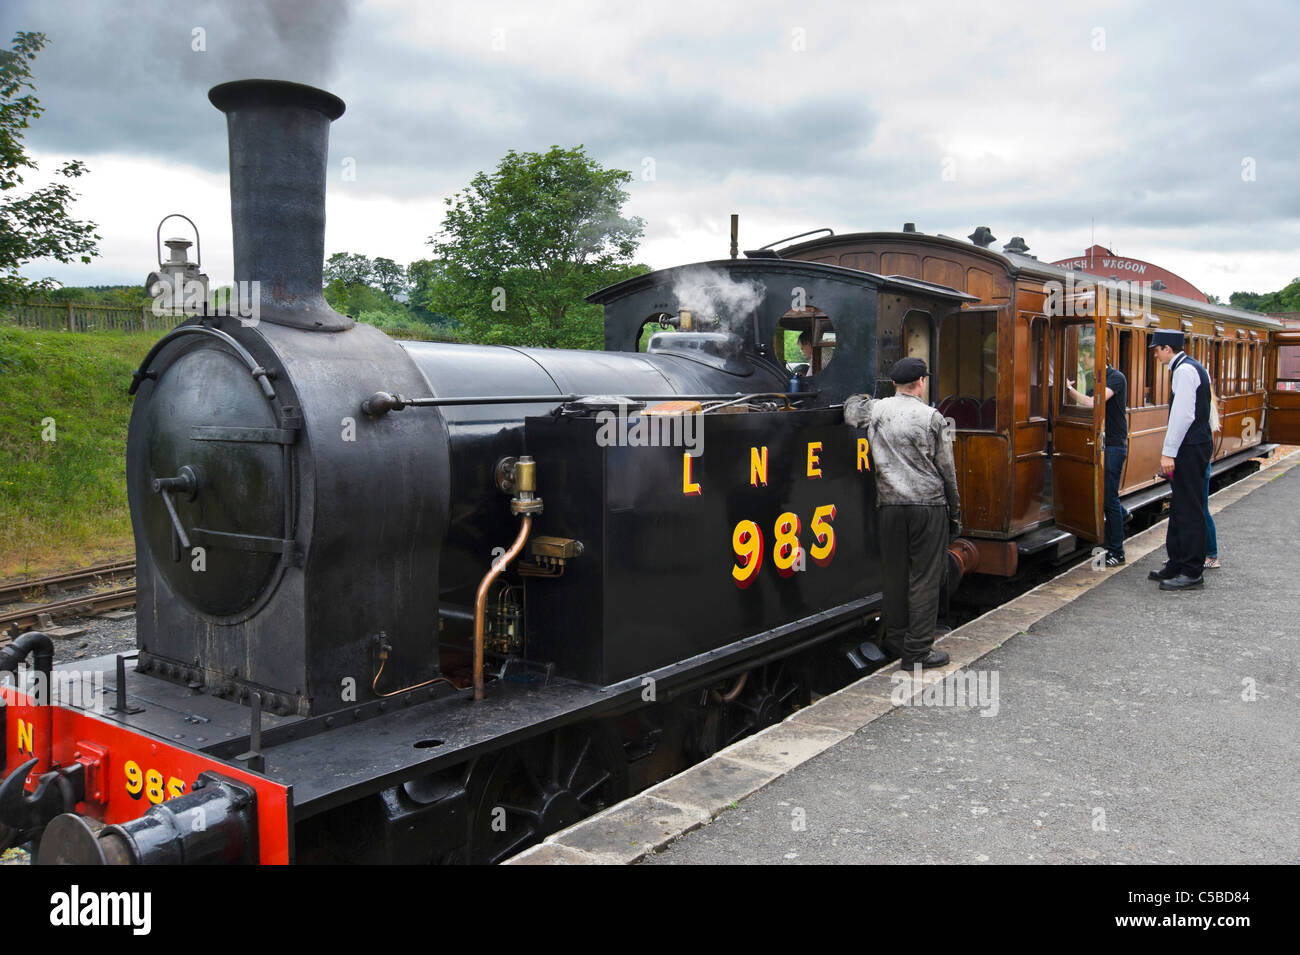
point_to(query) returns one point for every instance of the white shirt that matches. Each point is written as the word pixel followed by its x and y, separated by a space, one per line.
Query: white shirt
pixel 1182 412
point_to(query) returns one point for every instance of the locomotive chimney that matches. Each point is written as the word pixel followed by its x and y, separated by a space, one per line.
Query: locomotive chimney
pixel 279 148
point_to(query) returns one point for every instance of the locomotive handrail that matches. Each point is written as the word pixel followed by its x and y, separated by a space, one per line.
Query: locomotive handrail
pixel 257 371
pixel 381 402
pixel 790 238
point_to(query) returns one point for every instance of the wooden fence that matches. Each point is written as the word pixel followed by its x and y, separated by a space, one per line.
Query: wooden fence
pixel 76 317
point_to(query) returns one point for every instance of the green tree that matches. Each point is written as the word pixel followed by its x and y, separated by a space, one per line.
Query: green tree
pixel 1288 299
pixel 348 268
pixel 1283 300
pixel 347 284
pixel 520 247
pixel 423 278
pixel 37 225
pixel 388 276
pixel 1247 300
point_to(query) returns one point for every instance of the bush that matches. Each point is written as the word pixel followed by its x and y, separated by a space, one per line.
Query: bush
pixel 403 325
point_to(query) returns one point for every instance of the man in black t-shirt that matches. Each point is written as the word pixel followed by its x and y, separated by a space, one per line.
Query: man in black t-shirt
pixel 1116 452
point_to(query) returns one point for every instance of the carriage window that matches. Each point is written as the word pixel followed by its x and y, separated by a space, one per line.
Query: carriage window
pixel 1037 356
pixel 1157 380
pixel 1288 368
pixel 966 384
pixel 823 345
pixel 1125 362
pixel 1079 350
pixel 1229 369
pixel 1243 368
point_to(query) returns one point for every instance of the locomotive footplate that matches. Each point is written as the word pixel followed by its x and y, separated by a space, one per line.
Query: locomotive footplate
pixel 158 748
pixel 353 758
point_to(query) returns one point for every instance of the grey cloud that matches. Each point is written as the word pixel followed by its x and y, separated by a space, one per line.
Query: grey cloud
pixel 125 77
pixel 1195 91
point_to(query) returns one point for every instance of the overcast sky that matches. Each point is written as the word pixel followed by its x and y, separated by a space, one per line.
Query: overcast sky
pixel 1170 131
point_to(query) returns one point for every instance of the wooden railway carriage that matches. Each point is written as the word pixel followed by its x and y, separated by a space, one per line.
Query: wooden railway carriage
pixel 1029 460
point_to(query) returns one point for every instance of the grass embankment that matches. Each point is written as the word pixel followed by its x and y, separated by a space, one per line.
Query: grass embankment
pixel 63 501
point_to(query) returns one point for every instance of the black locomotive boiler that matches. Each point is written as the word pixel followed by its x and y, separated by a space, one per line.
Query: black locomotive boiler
pixel 427 602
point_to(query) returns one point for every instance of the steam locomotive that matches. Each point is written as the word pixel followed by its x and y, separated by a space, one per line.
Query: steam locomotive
pixel 430 602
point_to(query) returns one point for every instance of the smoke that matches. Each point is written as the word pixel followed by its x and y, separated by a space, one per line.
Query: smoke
pixel 295 40
pixel 145 96
pixel 712 295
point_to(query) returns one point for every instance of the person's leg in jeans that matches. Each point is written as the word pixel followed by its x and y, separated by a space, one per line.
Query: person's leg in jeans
pixel 1114 512
pixel 1211 534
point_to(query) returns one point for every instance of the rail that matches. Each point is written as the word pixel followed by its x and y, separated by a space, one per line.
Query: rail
pixel 16 620
pixel 15 589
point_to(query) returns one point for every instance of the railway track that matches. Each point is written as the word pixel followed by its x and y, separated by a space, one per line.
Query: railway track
pixel 25 619
pixel 15 621
pixel 11 591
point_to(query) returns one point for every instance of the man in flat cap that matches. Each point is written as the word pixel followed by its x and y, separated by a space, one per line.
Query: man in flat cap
pixel 1183 460
pixel 918 507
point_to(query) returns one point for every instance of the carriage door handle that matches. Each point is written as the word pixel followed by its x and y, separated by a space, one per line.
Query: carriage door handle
pixel 186 481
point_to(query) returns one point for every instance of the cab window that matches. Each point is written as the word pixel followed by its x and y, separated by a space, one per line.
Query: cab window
pixel 805 341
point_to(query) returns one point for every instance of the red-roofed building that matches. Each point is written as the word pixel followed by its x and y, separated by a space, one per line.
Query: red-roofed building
pixel 1102 262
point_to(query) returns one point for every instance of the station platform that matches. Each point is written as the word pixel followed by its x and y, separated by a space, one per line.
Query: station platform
pixel 1095 719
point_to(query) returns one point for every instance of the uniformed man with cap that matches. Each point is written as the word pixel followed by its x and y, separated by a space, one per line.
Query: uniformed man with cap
pixel 918 507
pixel 1183 460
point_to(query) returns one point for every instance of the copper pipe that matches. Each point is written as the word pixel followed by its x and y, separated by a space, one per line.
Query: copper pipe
pixel 374 684
pixel 480 602
pixel 732 693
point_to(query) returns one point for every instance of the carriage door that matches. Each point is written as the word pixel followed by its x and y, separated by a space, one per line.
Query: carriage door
pixel 1078 471
pixel 1282 417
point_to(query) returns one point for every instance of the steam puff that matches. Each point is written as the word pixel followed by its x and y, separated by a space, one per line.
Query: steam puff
pixel 711 294
pixel 296 40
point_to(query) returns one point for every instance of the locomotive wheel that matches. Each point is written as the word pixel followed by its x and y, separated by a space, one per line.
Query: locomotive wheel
pixel 771 693
pixel 521 795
